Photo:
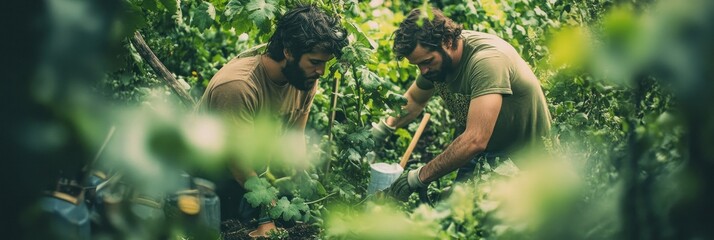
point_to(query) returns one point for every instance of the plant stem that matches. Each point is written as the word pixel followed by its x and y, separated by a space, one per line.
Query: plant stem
pixel 323 198
pixel 358 90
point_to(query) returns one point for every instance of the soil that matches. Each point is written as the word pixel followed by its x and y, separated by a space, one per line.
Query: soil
pixel 234 230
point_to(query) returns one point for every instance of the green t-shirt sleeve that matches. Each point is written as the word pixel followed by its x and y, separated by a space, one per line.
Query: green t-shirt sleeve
pixel 423 83
pixel 234 100
pixel 490 73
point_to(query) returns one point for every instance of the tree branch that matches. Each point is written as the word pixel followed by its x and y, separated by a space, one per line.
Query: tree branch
pixel 160 69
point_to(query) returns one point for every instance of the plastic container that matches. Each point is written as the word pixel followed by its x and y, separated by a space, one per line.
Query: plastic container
pixel 148 207
pixel 92 198
pixel 195 199
pixel 210 213
pixel 68 215
pixel 382 176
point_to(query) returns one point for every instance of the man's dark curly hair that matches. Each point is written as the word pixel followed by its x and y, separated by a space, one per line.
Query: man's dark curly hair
pixel 304 29
pixel 430 35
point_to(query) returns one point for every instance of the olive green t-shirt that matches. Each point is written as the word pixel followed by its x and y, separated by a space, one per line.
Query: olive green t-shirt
pixel 242 89
pixel 490 65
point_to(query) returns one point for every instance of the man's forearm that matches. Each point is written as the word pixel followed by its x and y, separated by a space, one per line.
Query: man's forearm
pixel 459 152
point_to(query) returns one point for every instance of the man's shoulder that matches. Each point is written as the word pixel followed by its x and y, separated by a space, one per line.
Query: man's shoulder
pixel 238 69
pixel 475 42
pixel 484 49
pixel 472 35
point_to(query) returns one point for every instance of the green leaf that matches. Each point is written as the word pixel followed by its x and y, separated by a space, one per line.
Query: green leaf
pixel 359 137
pixel 300 204
pixel 260 192
pixel 320 189
pixel 304 184
pixel 370 81
pixel 285 185
pixel 357 54
pixel 132 18
pixel 233 8
pixel 289 210
pixel 203 16
pixel 353 155
pixel 262 11
pixel 426 13
pixel 581 117
pixel 170 5
pixel 359 35
pixel 150 5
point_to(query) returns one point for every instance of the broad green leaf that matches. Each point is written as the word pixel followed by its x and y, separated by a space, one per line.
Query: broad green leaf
pixel 170 5
pixel 203 16
pixel 310 189
pixel 132 18
pixel 359 35
pixel 306 186
pixel 357 54
pixel 370 81
pixel 300 204
pixel 260 192
pixel 233 9
pixel 289 210
pixel 359 137
pixel 262 11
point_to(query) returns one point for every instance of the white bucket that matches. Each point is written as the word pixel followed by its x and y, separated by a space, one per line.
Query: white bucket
pixel 383 175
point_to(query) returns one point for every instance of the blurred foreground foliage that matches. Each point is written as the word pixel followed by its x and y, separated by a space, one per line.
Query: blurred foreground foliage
pixel 628 83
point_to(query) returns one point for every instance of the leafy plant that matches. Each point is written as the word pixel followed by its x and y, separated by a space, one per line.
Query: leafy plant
pixel 620 128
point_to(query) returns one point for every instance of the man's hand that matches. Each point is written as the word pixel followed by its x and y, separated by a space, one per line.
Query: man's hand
pixel 380 131
pixel 405 185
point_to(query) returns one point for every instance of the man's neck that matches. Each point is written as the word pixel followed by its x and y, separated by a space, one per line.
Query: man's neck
pixel 274 69
pixel 456 54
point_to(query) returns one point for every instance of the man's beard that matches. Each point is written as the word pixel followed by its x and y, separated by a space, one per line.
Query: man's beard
pixel 297 77
pixel 440 75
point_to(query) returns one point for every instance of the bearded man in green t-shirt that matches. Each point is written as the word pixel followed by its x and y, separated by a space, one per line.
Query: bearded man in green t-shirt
pixel 278 85
pixel 496 100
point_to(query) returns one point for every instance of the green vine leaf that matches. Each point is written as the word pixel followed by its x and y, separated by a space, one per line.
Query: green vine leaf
pixel 306 187
pixel 262 11
pixel 233 8
pixel 203 16
pixel 260 192
pixel 289 210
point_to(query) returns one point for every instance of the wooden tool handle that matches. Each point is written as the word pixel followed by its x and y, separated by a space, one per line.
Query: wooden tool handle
pixel 415 139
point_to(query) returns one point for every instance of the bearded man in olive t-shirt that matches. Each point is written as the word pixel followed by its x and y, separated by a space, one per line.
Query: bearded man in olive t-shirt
pixel 496 100
pixel 279 85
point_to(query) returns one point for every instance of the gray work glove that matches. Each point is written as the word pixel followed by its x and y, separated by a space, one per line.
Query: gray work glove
pixel 380 131
pixel 405 185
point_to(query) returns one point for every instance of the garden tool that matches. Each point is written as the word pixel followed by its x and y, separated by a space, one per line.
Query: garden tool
pixel 384 174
